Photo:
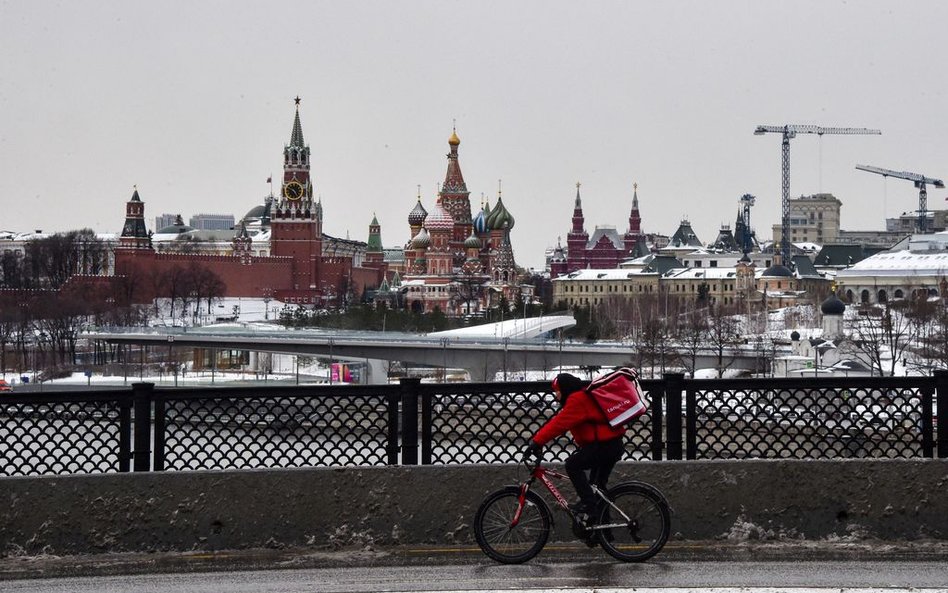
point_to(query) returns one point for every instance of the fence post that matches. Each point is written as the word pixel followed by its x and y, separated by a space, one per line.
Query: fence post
pixel 141 453
pixel 409 420
pixel 941 411
pixel 125 434
pixel 159 428
pixel 426 430
pixel 673 387
pixel 657 445
pixel 392 448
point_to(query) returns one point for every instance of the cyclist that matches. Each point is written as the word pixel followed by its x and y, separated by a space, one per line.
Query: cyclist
pixel 599 446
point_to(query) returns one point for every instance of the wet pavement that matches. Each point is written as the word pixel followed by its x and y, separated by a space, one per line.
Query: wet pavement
pixel 563 559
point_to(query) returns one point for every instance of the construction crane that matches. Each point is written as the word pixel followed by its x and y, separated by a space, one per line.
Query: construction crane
pixel 790 131
pixel 920 182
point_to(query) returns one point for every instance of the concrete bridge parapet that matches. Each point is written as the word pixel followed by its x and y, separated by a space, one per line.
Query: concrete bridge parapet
pixel 759 499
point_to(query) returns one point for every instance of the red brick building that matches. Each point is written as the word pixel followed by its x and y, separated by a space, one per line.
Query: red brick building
pixel 605 249
pixel 296 271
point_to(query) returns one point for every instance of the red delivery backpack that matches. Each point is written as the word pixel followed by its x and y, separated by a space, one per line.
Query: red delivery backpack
pixel 619 396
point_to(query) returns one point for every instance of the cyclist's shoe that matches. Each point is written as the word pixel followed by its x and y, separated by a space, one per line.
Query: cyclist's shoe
pixel 580 509
pixel 583 534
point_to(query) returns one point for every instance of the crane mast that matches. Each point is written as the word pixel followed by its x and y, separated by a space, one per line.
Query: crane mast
pixel 920 182
pixel 790 131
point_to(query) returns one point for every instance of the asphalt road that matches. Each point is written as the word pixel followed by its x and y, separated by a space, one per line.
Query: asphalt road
pixel 686 566
pixel 594 575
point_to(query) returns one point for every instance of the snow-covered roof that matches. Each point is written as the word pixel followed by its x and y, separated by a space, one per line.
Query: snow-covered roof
pixel 610 233
pixel 701 273
pixel 610 274
pixel 899 263
pixel 807 247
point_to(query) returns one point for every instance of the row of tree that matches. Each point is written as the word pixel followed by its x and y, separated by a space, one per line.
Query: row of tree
pixel 55 290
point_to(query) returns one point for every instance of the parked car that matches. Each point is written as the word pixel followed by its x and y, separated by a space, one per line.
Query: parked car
pixel 4 386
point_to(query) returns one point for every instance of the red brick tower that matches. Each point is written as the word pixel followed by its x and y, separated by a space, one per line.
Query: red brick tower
pixel 635 224
pixel 296 225
pixel 134 234
pixel 577 238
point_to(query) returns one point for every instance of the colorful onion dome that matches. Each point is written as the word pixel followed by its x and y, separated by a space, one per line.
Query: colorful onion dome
pixel 454 140
pixel 472 242
pixel 421 241
pixel 417 215
pixel 480 222
pixel 499 217
pixel 439 219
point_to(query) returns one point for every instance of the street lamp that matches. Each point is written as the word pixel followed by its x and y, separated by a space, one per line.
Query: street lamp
pixel 444 359
pixel 506 343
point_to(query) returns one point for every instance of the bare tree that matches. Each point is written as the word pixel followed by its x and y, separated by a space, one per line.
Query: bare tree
pixel 692 337
pixel 13 271
pixel 55 259
pixel 723 334
pixel 651 337
pixel 883 334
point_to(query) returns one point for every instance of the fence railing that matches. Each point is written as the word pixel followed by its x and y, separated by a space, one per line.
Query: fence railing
pixel 145 429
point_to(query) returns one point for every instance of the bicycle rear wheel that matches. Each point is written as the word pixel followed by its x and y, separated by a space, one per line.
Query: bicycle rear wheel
pixel 500 541
pixel 640 522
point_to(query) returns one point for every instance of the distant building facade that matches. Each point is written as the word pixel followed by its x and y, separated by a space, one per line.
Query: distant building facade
pixel 605 248
pixel 212 222
pixel 812 219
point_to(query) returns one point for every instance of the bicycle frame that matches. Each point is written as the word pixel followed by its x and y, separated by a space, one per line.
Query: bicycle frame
pixel 544 474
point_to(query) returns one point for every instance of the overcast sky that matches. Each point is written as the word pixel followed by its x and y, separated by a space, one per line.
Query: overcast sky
pixel 193 103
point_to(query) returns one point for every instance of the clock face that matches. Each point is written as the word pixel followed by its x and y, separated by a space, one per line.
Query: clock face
pixel 293 190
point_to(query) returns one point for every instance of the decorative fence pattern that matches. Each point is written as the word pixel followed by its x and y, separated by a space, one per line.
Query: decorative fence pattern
pixel 142 429
pixel 64 433
pixel 265 428
pixel 821 419
pixel 493 422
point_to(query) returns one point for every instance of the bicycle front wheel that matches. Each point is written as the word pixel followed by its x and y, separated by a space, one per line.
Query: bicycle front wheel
pixel 637 526
pixel 503 541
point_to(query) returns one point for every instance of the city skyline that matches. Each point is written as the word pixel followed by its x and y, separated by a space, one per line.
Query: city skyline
pixel 194 106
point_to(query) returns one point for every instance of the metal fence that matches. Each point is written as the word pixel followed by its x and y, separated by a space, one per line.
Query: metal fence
pixel 144 429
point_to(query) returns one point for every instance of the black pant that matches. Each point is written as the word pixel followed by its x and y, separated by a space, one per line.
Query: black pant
pixel 599 458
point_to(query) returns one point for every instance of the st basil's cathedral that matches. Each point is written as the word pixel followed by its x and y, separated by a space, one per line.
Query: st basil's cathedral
pixel 456 262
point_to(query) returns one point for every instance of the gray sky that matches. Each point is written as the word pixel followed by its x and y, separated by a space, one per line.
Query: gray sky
pixel 192 101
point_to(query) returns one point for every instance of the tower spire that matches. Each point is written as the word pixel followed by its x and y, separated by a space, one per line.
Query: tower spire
pixel 296 138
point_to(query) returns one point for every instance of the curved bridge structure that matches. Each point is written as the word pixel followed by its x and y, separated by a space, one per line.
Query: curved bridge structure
pixel 509 347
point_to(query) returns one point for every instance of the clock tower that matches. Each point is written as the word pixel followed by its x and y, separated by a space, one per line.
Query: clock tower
pixel 296 220
pixel 134 234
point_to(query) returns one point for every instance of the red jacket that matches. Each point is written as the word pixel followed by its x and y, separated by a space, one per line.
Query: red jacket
pixel 583 418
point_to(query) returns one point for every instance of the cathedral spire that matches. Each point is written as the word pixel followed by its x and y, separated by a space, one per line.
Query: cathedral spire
pixel 453 179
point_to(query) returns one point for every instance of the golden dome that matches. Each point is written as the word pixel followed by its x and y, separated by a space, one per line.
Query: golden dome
pixel 454 140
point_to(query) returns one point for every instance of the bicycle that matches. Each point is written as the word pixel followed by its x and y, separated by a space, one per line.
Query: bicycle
pixel 513 524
